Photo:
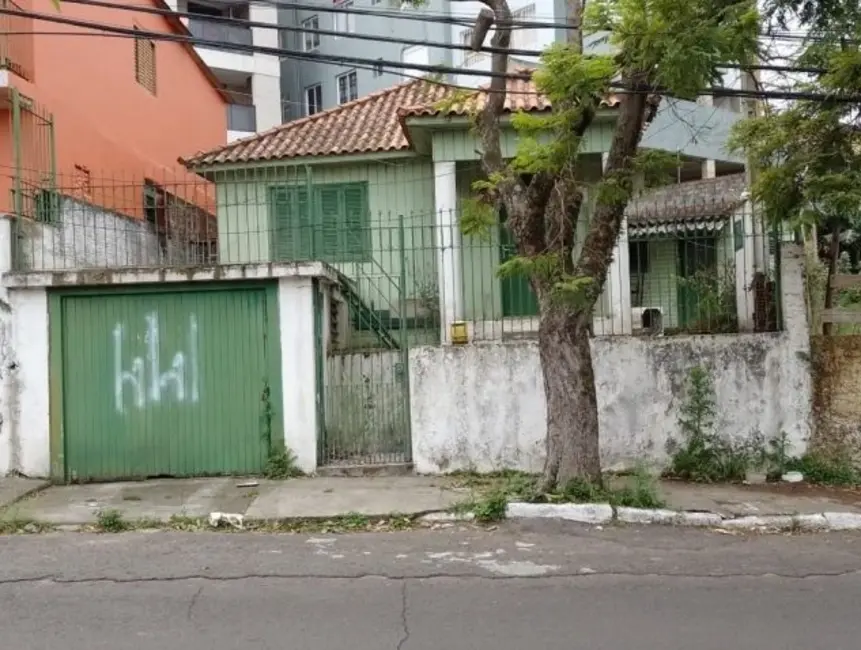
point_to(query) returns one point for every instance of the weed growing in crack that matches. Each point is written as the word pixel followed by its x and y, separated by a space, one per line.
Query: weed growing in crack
pixel 281 464
pixel 111 521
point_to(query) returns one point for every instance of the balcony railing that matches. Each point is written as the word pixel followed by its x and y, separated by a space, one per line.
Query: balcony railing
pixel 210 30
pixel 16 41
pixel 241 117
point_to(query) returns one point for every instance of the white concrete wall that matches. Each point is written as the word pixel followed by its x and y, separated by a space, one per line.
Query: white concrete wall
pixel 89 236
pixel 481 406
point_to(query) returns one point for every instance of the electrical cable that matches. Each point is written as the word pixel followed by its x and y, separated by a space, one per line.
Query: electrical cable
pixel 402 66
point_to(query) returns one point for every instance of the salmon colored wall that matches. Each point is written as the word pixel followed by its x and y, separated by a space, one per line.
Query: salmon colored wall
pixel 106 121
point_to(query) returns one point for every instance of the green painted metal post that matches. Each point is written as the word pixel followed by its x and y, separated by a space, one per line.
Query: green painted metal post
pixel 405 348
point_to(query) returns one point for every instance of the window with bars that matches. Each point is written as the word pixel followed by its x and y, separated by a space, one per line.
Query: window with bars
pixel 524 38
pixel 469 56
pixel 333 226
pixel 145 62
pixel 348 87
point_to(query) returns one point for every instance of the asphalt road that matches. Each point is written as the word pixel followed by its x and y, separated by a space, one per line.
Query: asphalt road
pixel 541 586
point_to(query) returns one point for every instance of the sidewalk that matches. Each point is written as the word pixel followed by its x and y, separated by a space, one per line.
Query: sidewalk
pixel 329 497
pixel 255 498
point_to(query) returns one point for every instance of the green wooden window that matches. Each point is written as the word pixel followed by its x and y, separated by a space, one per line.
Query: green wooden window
pixel 46 206
pixel 332 226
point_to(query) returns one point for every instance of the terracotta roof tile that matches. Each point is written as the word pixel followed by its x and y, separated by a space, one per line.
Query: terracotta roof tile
pixel 370 124
pixel 680 202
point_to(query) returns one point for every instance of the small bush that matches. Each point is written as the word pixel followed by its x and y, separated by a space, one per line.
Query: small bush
pixel 111 521
pixel 642 492
pixel 838 472
pixel 491 508
pixel 281 464
pixel 703 455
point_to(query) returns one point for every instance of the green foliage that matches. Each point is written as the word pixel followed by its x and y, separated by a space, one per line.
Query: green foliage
pixel 491 508
pixel 809 155
pixel 655 167
pixel 716 304
pixel 679 43
pixel 640 490
pixel 822 470
pixel 111 521
pixel 281 464
pixel 704 455
pixel 771 456
pixel 477 218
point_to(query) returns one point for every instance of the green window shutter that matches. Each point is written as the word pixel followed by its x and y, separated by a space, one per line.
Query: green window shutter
pixel 331 224
pixel 356 229
pixel 293 234
pixel 304 228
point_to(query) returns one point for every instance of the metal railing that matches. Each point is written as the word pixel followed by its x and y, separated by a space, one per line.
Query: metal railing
pixel 214 31
pixel 241 117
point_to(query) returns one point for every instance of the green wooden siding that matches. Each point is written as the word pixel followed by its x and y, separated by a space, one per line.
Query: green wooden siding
pixel 464 145
pixel 400 191
pixel 155 382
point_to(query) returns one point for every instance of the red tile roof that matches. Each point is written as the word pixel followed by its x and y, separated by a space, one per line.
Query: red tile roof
pixel 367 125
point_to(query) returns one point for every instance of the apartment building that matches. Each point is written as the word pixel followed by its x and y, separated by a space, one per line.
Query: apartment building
pixel 697 130
pixel 252 79
pixel 311 86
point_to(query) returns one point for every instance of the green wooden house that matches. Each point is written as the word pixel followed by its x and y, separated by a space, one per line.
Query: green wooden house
pixel 376 186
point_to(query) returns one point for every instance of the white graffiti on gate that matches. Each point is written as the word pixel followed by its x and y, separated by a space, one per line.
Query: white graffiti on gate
pixel 148 382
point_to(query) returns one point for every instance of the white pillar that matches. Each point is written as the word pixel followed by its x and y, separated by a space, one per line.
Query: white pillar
pixel 618 285
pixel 448 242
pixel 299 370
pixel 709 168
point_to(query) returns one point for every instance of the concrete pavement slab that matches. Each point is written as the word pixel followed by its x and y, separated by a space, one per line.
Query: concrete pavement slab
pixel 15 488
pixel 333 496
pixel 157 499
pixel 741 500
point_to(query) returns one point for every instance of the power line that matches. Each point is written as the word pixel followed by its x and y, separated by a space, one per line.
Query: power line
pixel 241 22
pixel 361 62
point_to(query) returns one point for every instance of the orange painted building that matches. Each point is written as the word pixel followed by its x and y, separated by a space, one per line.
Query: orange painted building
pixel 96 115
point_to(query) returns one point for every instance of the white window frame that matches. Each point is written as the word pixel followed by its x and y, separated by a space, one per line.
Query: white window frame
pixel 343 99
pixel 318 90
pixel 344 22
pixel 311 34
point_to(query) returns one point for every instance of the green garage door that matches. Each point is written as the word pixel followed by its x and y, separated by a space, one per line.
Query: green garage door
pixel 150 382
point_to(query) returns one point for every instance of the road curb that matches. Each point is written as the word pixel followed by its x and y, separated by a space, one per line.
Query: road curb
pixel 602 513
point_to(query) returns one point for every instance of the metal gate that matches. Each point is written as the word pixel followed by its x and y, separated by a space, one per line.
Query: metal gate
pixel 366 386
pixel 149 381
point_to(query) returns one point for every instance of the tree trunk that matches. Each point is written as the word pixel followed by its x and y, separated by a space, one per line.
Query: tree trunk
pixel 569 389
pixel 833 258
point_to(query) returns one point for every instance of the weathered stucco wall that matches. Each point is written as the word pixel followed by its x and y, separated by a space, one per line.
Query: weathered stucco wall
pixel 482 407
pixel 837 394
pixel 86 236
